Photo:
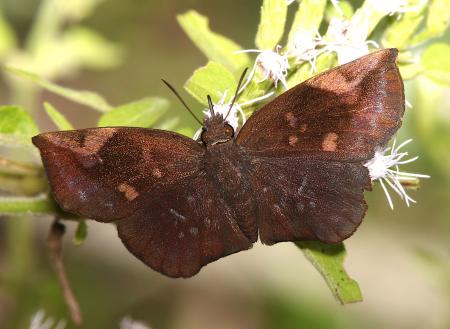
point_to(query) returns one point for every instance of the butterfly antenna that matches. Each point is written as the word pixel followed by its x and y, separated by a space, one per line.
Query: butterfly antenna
pixel 181 100
pixel 211 105
pixel 237 91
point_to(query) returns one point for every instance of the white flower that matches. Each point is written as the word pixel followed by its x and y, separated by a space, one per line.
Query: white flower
pixel 129 323
pixel 391 7
pixel 305 47
pixel 237 110
pixel 347 47
pixel 38 321
pixel 273 65
pixel 222 108
pixel 385 168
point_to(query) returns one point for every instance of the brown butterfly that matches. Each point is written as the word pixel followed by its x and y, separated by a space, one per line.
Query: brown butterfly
pixel 293 172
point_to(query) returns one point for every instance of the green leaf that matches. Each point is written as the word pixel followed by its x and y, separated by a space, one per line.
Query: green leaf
pixel 41 204
pixel 271 26
pixel 90 49
pixel 307 19
pixel 58 119
pixel 141 113
pixel 215 46
pixel 212 79
pixel 436 63
pixel 328 259
pixel 399 33
pixel 87 98
pixel 323 63
pixel 410 71
pixel 345 7
pixel 7 37
pixel 15 121
pixel 80 233
pixel 438 19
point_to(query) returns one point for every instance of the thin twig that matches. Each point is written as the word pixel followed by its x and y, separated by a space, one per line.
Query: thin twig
pixel 54 242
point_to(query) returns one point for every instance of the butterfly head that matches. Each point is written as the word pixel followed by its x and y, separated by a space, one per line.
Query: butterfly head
pixel 216 130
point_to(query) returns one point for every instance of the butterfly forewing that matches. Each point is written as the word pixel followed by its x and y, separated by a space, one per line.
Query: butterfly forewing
pixel 107 173
pixel 341 114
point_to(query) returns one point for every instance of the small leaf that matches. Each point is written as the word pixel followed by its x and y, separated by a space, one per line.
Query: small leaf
pixel 410 71
pixel 215 46
pixel 41 204
pixel 344 6
pixel 271 26
pixel 399 33
pixel 141 113
pixel 7 37
pixel 58 119
pixel 168 124
pixel 307 19
pixel 87 98
pixel 91 49
pixel 80 233
pixel 328 259
pixel 212 79
pixel 438 19
pixel 436 63
pixel 15 121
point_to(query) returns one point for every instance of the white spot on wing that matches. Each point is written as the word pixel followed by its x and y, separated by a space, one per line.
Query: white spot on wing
pixel 177 214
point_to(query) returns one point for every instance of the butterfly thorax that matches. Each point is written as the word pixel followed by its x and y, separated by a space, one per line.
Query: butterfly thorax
pixel 216 130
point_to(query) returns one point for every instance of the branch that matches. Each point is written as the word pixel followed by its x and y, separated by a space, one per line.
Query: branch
pixel 54 242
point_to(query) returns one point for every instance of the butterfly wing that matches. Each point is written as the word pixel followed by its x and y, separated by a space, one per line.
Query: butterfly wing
pixel 308 199
pixel 309 144
pixel 104 173
pixel 183 229
pixel 341 114
pixel 153 184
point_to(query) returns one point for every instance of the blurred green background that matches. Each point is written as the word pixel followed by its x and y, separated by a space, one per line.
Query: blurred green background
pixel 400 258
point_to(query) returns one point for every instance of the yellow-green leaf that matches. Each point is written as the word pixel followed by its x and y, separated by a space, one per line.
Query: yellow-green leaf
pixel 436 63
pixel 215 46
pixel 15 121
pixel 80 233
pixel 141 113
pixel 307 19
pixel 87 98
pixel 328 259
pixel 7 37
pixel 213 79
pixel 58 119
pixel 438 19
pixel 272 22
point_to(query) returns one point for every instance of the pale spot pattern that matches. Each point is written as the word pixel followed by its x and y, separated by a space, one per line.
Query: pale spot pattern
pixel 128 190
pixel 329 143
pixel 293 140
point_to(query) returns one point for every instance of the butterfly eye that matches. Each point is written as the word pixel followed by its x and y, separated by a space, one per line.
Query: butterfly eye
pixel 229 130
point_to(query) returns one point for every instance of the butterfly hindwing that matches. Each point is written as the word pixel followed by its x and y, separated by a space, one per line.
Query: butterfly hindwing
pixel 341 114
pixel 183 229
pixel 308 199
pixel 105 173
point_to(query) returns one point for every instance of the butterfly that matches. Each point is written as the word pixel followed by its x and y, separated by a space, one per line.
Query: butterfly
pixel 293 172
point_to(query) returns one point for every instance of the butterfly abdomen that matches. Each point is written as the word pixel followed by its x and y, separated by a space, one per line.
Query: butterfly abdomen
pixel 227 165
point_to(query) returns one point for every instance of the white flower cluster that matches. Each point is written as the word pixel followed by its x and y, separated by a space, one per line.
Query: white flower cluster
pixel 385 169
